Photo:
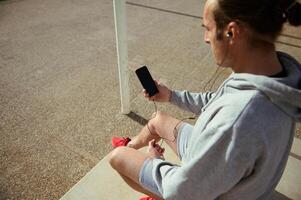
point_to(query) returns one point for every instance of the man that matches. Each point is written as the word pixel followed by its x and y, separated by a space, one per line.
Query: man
pixel 239 146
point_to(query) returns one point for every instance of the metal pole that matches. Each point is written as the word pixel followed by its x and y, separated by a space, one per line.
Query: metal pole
pixel 121 44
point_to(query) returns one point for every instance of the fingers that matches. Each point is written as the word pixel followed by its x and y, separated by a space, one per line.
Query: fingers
pixel 159 149
pixel 146 95
pixel 155 148
pixel 157 82
pixel 162 96
pixel 151 143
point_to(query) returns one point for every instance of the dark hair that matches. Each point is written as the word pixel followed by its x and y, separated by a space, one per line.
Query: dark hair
pixel 264 17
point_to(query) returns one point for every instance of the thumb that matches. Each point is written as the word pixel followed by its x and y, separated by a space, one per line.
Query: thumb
pixel 151 143
pixel 157 82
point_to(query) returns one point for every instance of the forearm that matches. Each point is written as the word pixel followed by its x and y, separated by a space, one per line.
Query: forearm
pixel 189 101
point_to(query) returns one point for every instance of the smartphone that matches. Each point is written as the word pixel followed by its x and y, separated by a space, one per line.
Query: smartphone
pixel 147 81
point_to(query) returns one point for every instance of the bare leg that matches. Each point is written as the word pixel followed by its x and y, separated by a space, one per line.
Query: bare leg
pixel 129 169
pixel 128 161
pixel 143 138
pixel 139 188
pixel 161 126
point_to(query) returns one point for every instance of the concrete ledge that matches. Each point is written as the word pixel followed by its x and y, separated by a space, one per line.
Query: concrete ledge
pixel 102 182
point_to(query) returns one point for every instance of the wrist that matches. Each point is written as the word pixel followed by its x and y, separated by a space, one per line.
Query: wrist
pixel 169 95
pixel 152 156
pixel 155 155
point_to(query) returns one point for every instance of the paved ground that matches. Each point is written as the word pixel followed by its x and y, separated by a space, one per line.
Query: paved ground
pixel 59 93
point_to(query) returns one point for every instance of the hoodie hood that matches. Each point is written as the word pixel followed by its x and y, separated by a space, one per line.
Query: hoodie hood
pixel 284 92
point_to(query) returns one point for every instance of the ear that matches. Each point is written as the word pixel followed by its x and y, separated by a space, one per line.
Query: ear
pixel 233 31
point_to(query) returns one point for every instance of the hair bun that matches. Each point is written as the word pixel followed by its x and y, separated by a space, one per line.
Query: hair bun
pixel 293 14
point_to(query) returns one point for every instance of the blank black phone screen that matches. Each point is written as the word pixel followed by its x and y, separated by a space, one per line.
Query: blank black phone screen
pixel 147 81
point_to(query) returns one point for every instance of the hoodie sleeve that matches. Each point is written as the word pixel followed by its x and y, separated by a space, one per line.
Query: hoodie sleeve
pixel 189 101
pixel 217 162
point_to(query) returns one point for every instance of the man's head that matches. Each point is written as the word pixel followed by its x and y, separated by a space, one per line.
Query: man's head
pixel 233 24
pixel 263 18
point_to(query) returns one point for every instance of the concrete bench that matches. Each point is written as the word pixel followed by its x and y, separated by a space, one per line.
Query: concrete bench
pixel 103 183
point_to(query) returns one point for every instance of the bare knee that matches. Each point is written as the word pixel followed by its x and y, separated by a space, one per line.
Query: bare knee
pixel 156 121
pixel 116 156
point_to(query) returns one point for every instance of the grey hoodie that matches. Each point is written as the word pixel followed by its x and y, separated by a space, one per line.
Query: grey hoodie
pixel 240 144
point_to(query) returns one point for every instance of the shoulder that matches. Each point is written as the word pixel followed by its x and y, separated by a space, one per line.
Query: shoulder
pixel 260 108
pixel 248 108
pixel 232 104
pixel 253 106
pixel 260 122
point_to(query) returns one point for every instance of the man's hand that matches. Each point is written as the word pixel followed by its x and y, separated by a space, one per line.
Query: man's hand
pixel 164 94
pixel 155 150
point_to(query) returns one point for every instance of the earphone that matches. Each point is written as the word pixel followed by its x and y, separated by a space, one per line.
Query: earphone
pixel 229 34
